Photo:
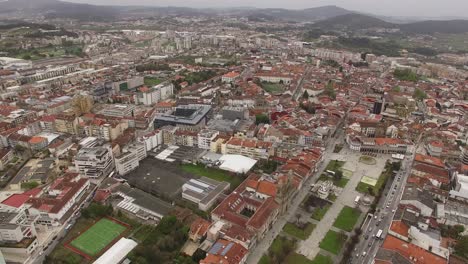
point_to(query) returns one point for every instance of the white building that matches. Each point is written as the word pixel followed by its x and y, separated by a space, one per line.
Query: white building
pixel 126 162
pixel 118 252
pixel 94 162
pixel 152 140
pixel 130 158
pixel 205 137
pixel 155 94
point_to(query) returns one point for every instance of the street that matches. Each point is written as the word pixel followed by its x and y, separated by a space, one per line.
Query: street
pixel 365 251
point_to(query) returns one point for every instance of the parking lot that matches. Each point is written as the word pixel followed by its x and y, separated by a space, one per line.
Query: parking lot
pixel 160 178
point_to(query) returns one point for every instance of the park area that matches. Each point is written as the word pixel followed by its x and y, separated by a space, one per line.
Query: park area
pixel 282 251
pixel 322 259
pixel 301 231
pixel 347 218
pixel 212 173
pixel 151 81
pixel 371 186
pixel 272 87
pixel 98 236
pixel 333 242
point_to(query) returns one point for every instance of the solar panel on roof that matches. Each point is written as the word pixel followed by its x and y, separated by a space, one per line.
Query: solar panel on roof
pixel 226 249
pixel 215 248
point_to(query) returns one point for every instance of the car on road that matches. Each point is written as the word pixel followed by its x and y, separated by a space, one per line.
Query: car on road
pixel 366 237
pixel 370 229
pixel 370 245
pixel 364 254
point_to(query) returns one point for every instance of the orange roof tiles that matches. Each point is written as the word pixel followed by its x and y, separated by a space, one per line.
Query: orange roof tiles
pixel 267 188
pixel 400 228
pixel 199 227
pixel 412 252
pixel 429 160
pixel 231 75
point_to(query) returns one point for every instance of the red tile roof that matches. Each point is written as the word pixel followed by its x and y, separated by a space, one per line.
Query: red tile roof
pixel 429 160
pixel 400 228
pixel 412 252
pixel 225 252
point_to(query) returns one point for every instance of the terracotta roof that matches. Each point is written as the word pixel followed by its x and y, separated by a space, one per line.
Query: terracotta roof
pixel 400 228
pixel 225 252
pixel 412 252
pixel 231 75
pixel 267 188
pixel 67 186
pixel 199 227
pixel 429 160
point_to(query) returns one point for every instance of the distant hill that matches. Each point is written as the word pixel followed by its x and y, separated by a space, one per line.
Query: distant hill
pixel 56 8
pixel 433 26
pixel 309 14
pixel 352 22
pixel 361 21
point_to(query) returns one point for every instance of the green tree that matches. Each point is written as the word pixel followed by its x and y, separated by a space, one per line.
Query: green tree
pixel 461 248
pixel 406 75
pixel 338 175
pixel 330 89
pixel 262 119
pixel 26 57
pixel 396 89
pixel 419 94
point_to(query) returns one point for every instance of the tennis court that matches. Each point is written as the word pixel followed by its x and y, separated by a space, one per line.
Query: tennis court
pixel 98 236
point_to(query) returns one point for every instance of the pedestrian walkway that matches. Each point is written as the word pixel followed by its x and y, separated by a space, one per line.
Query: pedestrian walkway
pixel 310 247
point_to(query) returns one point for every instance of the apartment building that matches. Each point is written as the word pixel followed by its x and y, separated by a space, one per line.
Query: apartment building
pixel 94 162
pixel 205 137
pixel 251 148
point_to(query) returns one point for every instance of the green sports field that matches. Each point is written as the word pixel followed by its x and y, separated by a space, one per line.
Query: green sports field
pixel 97 237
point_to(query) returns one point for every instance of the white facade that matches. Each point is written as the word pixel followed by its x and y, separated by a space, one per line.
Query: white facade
pixel 126 162
pixel 155 94
pixel 94 162
pixel 205 137
pixel 152 140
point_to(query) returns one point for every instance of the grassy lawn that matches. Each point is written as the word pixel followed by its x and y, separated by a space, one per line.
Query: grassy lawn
pixel 364 188
pixel 272 87
pixel 212 173
pixel 93 240
pixel 333 242
pixel 295 231
pixel 347 218
pixel 151 81
pixel 321 259
pixel 264 260
pixel 319 213
pixel 295 258
pixel 292 258
pixel 339 183
pixel 334 165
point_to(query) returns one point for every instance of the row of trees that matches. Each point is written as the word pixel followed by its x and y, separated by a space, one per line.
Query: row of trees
pixel 349 247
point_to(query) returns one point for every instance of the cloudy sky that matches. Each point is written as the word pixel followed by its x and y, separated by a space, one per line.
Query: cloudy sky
pixel 421 8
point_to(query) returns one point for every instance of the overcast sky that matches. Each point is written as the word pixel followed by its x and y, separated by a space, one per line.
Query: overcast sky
pixel 421 8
